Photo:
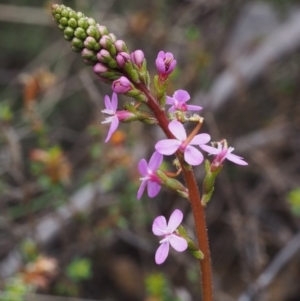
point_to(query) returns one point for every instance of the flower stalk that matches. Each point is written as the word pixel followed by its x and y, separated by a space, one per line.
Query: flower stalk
pixel 128 75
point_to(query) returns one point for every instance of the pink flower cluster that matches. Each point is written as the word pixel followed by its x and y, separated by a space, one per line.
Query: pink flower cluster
pixel 182 144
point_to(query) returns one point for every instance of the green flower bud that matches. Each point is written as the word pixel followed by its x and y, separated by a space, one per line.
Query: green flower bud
pixel 172 184
pixel 77 43
pixel 90 43
pixel 83 23
pixel 192 247
pixel 69 32
pixel 57 17
pixel 72 22
pixel 93 31
pixel 80 15
pixel 65 13
pixel 91 21
pixel 88 54
pixel 73 15
pixel 80 33
pixel 61 27
pixel 209 182
pixel 63 21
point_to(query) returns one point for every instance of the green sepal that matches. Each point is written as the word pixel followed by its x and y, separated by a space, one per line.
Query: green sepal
pixel 172 184
pixel 209 182
pixel 160 90
pixel 143 116
pixel 77 43
pixel 136 94
pixel 110 48
pixel 192 247
pixel 133 74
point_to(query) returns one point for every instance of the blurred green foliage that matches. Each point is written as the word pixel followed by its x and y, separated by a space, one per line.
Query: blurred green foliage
pixel 294 201
pixel 158 287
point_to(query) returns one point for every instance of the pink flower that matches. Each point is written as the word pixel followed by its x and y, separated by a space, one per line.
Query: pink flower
pixel 121 85
pixel 149 176
pixel 180 97
pixel 169 146
pixel 165 63
pixel 170 236
pixel 221 153
pixel 116 116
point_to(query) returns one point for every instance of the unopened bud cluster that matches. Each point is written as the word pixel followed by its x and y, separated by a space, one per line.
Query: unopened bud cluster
pixel 101 49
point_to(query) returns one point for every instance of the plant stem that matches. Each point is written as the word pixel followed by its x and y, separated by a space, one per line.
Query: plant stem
pixel 195 200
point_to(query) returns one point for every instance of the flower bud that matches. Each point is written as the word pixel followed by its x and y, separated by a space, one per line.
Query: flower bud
pixel 100 68
pixel 90 43
pixel 121 85
pixel 103 56
pixel 80 33
pixel 137 57
pixel 83 23
pixel 87 53
pixel 122 58
pixel 93 31
pixel 102 30
pixel 120 46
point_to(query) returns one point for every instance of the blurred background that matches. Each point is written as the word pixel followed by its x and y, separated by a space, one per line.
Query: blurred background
pixel 70 225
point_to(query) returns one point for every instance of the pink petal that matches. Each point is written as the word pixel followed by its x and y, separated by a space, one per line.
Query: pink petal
pixel 143 167
pixel 171 109
pixel 155 161
pixel 161 54
pixel 153 189
pixel 167 146
pixel 178 243
pixel 159 226
pixel 114 102
pixel 160 65
pixel 181 96
pixel 236 159
pixel 193 108
pixel 200 139
pixel 211 150
pixel 113 127
pixel 162 253
pixel 175 220
pixel 192 155
pixel 107 102
pixel 170 100
pixel 177 130
pixel 141 189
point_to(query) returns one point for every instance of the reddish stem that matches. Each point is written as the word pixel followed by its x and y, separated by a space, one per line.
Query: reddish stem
pixel 195 200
